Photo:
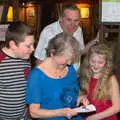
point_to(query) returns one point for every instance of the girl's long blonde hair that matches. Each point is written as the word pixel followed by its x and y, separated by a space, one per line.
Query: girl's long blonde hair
pixel 102 89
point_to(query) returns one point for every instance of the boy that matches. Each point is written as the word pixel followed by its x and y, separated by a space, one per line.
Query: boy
pixel 14 67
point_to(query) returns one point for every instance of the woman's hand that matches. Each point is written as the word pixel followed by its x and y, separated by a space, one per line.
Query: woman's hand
pixel 69 113
pixel 82 99
pixel 37 112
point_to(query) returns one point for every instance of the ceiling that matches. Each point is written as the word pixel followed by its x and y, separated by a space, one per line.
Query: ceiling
pixel 54 1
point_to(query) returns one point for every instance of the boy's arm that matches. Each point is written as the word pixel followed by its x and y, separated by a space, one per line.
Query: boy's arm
pixel 90 44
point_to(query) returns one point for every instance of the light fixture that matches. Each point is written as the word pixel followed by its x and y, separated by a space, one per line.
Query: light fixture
pixel 84 10
pixel 10 14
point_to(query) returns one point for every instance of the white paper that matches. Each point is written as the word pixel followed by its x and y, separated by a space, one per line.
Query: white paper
pixel 85 109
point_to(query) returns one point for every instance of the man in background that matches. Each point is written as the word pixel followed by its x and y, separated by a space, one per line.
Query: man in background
pixel 68 21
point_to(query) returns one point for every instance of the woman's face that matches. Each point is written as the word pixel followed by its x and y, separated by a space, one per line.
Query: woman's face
pixel 97 63
pixel 64 57
pixel 63 61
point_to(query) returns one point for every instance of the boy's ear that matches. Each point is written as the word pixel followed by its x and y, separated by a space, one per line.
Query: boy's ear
pixel 12 44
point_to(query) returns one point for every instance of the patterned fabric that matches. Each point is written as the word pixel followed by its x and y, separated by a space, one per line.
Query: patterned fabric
pixel 100 105
pixel 51 31
pixel 12 87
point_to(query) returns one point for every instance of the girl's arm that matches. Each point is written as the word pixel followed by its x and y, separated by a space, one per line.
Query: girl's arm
pixel 37 112
pixel 115 98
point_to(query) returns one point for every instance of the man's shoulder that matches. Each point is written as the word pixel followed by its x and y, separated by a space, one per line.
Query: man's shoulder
pixel 79 29
pixel 78 34
pixel 51 30
pixel 51 26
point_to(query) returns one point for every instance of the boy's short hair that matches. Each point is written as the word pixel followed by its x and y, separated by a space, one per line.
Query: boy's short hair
pixel 16 32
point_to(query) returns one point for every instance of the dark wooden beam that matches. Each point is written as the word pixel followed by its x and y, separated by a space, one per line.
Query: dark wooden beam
pixel 5 11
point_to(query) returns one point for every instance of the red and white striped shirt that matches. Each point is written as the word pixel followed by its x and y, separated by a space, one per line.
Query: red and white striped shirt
pixel 13 72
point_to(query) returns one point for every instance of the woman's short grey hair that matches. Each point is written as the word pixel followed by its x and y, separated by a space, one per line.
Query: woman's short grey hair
pixel 62 42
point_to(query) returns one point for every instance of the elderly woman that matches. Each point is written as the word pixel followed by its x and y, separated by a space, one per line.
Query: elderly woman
pixel 52 85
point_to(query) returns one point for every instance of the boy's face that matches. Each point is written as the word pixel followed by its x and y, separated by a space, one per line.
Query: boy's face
pixel 24 49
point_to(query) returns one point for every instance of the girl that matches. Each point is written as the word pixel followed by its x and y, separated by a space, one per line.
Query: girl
pixel 99 84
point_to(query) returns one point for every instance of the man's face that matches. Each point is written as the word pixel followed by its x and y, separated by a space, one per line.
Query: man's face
pixel 70 21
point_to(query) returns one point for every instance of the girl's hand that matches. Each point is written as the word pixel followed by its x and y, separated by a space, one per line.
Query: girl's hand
pixel 82 99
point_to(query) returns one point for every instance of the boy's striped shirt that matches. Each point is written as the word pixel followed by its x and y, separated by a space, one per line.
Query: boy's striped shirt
pixel 13 82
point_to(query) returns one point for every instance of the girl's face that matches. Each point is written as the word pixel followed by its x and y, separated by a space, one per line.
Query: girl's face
pixel 97 63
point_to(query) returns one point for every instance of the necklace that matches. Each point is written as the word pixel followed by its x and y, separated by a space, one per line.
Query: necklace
pixel 55 73
pixel 60 73
pixel 49 68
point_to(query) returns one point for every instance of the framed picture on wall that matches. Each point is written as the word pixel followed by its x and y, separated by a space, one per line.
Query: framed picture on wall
pixel 31 17
pixel 3 29
pixel 110 11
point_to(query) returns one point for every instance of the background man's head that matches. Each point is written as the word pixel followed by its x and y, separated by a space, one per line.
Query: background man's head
pixel 70 18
